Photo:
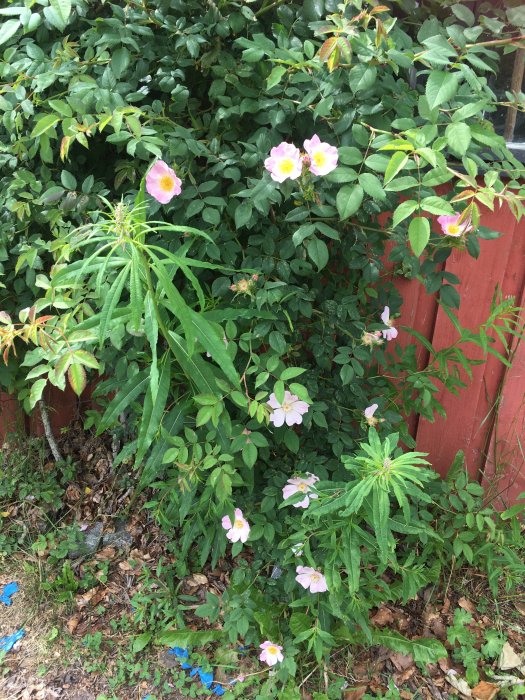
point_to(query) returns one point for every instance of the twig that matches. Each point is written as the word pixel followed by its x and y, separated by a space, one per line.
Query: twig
pixel 44 415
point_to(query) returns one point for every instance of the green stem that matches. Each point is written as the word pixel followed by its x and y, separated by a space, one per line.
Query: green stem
pixel 267 8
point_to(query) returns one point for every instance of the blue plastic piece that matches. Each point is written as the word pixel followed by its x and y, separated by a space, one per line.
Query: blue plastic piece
pixel 7 643
pixel 180 652
pixel 8 591
pixel 206 677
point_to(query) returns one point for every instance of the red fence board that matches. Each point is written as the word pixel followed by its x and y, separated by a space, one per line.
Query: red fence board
pixel 504 471
pixel 470 414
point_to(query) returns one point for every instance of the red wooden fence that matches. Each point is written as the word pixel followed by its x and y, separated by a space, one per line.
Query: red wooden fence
pixel 486 420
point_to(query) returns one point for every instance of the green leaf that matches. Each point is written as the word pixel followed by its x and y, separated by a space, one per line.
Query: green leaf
pixel 243 214
pixel 291 373
pixel 136 296
pixel 372 185
pixel 141 641
pixel 186 638
pixel 362 77
pixel 441 87
pixel 396 163
pixel 458 137
pixel 153 410
pixel 436 205
pixel 449 295
pixel 275 76
pixel 172 423
pixel 44 124
pixel 418 234
pixel 318 252
pixel 111 301
pixel 349 155
pixel 132 389
pixel 86 358
pixel 8 29
pixel 464 14
pixel 468 110
pixel 403 210
pixel 76 375
pixel 36 392
pixel 61 107
pixel 425 650
pixel 348 200
pixel 212 341
pixel 120 59
pixel 299 622
pixel 58 13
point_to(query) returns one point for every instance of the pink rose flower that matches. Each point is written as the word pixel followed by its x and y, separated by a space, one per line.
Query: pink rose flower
pixel 291 410
pixel 322 157
pixel 271 653
pixel 450 227
pixel 391 332
pixel 369 414
pixel 300 485
pixel 162 183
pixel 312 579
pixel 239 529
pixel 284 162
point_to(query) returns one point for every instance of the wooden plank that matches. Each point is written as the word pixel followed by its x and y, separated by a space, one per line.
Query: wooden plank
pixel 11 416
pixel 504 472
pixel 469 415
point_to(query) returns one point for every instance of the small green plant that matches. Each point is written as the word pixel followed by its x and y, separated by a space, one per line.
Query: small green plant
pixel 471 643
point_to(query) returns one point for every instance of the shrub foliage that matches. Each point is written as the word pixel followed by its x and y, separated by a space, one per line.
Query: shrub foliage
pixel 191 314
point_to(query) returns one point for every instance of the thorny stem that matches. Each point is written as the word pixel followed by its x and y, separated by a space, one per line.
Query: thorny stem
pixel 44 415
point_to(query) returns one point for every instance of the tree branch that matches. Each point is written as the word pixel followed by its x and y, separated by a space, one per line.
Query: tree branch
pixel 44 415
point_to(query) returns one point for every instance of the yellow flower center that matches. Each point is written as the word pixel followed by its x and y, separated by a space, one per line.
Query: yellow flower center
pixel 319 159
pixel 166 183
pixel 286 166
pixel 454 229
pixel 302 487
pixel 315 578
pixel 239 524
pixel 272 650
pixel 286 406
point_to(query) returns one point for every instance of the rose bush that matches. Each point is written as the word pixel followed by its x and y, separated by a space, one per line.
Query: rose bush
pixel 161 228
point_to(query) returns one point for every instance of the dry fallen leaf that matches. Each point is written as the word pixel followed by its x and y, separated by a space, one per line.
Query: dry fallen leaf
pixel 106 553
pixel 467 604
pixel 458 683
pixel 520 607
pixel 354 693
pixel 72 623
pixel 401 661
pixel 485 691
pixel 383 617
pixel 508 658
pixel 444 664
